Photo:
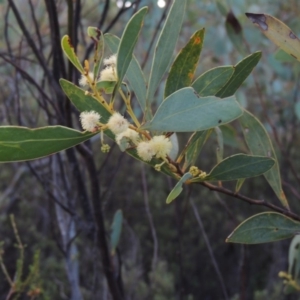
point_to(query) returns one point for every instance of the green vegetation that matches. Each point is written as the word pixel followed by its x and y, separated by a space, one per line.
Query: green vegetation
pixel 131 153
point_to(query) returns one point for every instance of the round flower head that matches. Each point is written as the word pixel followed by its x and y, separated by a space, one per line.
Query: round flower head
pixel 117 123
pixel 108 74
pixel 145 151
pixel 128 133
pixel 83 80
pixel 110 61
pixel 89 120
pixel 161 146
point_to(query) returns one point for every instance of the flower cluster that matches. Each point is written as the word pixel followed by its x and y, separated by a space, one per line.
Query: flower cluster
pixel 125 135
pixel 83 81
pixel 120 127
pixel 159 146
pixel 109 72
pixel 117 123
pixel 89 120
pixel 129 134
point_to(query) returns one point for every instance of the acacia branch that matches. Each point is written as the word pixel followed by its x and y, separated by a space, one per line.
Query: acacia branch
pixel 249 200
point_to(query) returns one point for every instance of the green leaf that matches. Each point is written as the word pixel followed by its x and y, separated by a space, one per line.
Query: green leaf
pixel 235 32
pixel 70 53
pixel 178 187
pixel 239 184
pixel 241 72
pixel 128 41
pixel 223 9
pixel 240 166
pixel 294 257
pixel 263 228
pixel 183 69
pixel 21 143
pixel 211 82
pixel 106 86
pixel 85 102
pixel 193 148
pixel 82 101
pixel 280 34
pixel 165 46
pixel 96 35
pixel 259 143
pixel 220 141
pixel 116 230
pixel 134 73
pixel 185 111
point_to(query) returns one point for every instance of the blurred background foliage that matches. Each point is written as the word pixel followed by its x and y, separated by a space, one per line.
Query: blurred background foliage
pixel 162 253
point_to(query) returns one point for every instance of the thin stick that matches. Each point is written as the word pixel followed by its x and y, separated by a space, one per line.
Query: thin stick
pixel 211 254
pixel 150 219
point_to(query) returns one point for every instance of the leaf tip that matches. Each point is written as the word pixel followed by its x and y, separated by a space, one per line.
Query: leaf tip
pixel 233 22
pixel 168 201
pixel 259 20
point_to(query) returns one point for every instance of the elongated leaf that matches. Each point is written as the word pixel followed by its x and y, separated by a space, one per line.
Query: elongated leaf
pixel 70 53
pixel 185 64
pixel 220 141
pixel 116 230
pixel 22 143
pixel 264 228
pixel 294 257
pixel 193 147
pixel 223 9
pixel 239 184
pixel 185 111
pixel 165 46
pixel 96 35
pixel 134 73
pixel 240 166
pixel 235 32
pixel 83 101
pixel 178 187
pixel 128 41
pixel 259 143
pixel 280 34
pixel 106 86
pixel 241 72
pixel 211 82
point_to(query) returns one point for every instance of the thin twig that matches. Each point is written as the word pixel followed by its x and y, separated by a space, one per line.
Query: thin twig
pixel 149 215
pixel 31 43
pixel 225 191
pixel 36 25
pixel 211 254
pixel 4 270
